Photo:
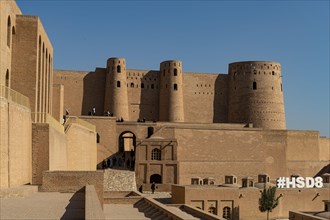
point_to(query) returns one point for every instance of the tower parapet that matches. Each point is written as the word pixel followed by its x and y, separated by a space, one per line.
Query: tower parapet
pixel 116 99
pixel 171 91
pixel 256 94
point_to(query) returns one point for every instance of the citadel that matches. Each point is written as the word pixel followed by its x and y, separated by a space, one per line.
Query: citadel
pixel 212 140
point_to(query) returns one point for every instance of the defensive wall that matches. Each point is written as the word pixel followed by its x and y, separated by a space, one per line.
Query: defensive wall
pixel 85 90
pixel 252 92
pixel 256 94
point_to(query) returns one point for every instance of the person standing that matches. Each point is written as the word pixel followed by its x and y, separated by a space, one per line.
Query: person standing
pixel 153 187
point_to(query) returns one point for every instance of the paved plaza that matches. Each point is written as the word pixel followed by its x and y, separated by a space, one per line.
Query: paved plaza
pixel 54 205
pixel 43 205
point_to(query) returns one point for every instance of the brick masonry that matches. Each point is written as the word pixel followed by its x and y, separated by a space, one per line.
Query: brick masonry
pixel 72 181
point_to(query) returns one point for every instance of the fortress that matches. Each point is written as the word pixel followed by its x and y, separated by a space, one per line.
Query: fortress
pixel 250 93
pixel 188 132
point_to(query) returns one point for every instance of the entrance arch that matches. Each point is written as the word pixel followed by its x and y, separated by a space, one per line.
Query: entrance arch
pixel 155 178
pixel 126 150
pixel 127 141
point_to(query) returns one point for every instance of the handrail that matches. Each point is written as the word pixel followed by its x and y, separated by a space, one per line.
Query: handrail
pixel 14 96
pixel 44 117
pixel 54 123
pixel 74 119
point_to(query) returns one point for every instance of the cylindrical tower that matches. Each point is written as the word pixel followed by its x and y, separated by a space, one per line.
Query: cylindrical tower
pixel 171 91
pixel 116 100
pixel 256 94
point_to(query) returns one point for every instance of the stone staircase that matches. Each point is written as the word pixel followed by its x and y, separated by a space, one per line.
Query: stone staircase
pixel 150 211
pixel 154 213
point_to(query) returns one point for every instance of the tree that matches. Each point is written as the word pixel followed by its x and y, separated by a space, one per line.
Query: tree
pixel 267 201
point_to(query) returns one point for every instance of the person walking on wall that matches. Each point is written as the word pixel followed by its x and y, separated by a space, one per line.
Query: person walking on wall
pixel 153 187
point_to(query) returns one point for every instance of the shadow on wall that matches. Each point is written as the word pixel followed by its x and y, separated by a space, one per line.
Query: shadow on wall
pixel 325 169
pixel 120 161
pixel 220 103
pixel 236 212
pixel 94 92
pixel 149 100
pixel 76 207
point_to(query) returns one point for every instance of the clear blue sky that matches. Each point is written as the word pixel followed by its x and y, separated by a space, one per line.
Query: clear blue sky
pixel 206 36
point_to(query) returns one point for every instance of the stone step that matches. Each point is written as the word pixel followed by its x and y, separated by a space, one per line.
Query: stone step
pixel 157 214
pixel 149 210
pixel 152 212
pixel 162 217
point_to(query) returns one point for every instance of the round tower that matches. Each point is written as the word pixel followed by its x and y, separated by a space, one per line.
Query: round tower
pixel 171 91
pixel 256 94
pixel 116 99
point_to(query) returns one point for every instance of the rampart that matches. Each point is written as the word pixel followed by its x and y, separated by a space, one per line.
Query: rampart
pixel 252 92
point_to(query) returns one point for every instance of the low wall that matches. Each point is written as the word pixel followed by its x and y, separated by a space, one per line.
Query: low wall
pixel 121 197
pixel 199 213
pixel 72 181
pixel 93 208
pixel 303 216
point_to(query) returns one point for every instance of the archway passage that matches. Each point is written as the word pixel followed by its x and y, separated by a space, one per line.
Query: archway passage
pixel 127 141
pixel 126 150
pixel 155 178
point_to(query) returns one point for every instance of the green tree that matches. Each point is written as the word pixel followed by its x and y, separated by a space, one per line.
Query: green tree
pixel 267 201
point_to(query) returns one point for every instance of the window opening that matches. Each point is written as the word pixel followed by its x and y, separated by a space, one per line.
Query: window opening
pixel 254 85
pixel 226 212
pixel 8 31
pixel 118 69
pixel 175 72
pixel 156 154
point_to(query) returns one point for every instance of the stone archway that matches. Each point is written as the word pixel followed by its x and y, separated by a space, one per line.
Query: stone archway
pixel 127 141
pixel 126 150
pixel 156 178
